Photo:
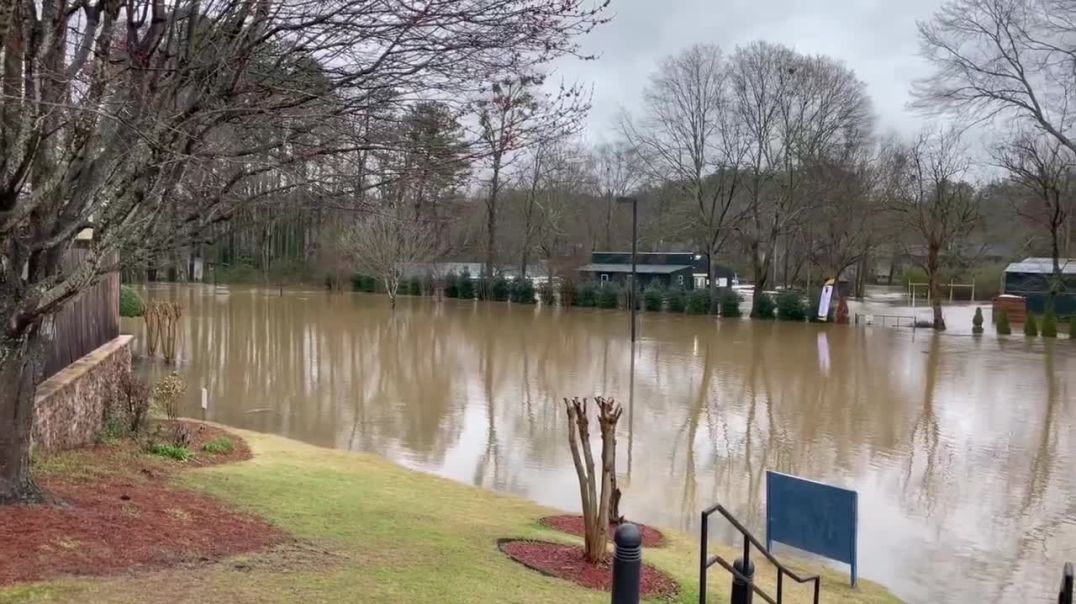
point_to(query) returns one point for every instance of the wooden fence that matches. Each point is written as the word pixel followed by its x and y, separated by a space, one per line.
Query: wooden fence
pixel 86 322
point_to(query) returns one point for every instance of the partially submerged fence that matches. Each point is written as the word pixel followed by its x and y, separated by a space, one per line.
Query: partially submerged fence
pixel 87 321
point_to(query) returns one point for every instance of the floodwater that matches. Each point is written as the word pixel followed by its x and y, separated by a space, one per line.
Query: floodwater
pixel 959 447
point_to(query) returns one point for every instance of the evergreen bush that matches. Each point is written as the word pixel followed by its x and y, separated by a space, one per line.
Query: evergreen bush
pixel 522 291
pixel 1002 323
pixel 131 304
pixel 498 289
pixel 609 296
pixel 545 293
pixel 1072 327
pixel 1031 327
pixel 1049 324
pixel 790 306
pixel 764 306
pixel 677 300
pixel 588 295
pixel 452 286
pixel 466 286
pixel 653 297
pixel 729 300
pixel 977 321
pixel 698 302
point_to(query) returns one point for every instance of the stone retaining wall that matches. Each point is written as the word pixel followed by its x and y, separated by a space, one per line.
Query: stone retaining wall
pixel 71 406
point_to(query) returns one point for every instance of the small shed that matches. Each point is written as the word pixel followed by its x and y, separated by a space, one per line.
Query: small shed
pixel 1030 278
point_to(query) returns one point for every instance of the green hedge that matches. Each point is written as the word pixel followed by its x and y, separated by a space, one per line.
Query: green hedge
pixel 729 300
pixel 465 289
pixel 587 296
pixel 521 291
pixel 609 296
pixel 1002 323
pixel 653 297
pixel 698 302
pixel 790 306
pixel 545 293
pixel 131 304
pixel 677 299
pixel 764 306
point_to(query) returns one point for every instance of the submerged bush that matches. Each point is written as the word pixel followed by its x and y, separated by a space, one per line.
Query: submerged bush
pixel 131 304
pixel 1072 327
pixel 1031 328
pixel 545 293
pixel 653 297
pixel 729 300
pixel 609 296
pixel 677 299
pixel 522 291
pixel 977 321
pixel 363 283
pixel 452 285
pixel 466 286
pixel 698 302
pixel 790 306
pixel 1049 324
pixel 588 295
pixel 1002 323
pixel 764 306
pixel 498 289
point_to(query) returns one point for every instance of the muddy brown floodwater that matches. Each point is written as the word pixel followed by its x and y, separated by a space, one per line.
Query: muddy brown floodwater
pixel 960 447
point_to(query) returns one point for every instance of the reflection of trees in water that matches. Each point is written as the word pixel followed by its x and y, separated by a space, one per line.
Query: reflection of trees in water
pixel 925 441
pixel 717 404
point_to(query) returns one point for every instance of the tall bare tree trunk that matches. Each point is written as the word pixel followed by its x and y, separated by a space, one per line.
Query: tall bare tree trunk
pixel 934 284
pixel 21 368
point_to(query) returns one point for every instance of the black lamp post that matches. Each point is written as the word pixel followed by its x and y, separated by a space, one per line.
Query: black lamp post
pixel 632 298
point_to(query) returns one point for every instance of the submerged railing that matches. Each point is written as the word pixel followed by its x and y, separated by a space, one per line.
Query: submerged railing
pixel 742 570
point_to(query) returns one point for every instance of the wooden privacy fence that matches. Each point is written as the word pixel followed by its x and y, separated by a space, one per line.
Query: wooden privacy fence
pixel 86 322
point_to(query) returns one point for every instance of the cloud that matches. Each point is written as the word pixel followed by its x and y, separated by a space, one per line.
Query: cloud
pixel 876 38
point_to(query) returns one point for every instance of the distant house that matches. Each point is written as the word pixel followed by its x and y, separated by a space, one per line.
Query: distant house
pixel 1030 278
pixel 670 269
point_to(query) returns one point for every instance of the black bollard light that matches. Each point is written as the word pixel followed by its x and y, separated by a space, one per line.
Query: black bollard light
pixel 741 590
pixel 627 564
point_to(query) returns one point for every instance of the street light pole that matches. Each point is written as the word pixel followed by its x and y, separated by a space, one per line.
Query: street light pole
pixel 632 297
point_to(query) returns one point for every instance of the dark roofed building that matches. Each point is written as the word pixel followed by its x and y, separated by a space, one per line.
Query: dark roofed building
pixel 1031 278
pixel 670 269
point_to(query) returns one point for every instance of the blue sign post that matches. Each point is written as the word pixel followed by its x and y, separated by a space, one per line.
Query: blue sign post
pixel 812 516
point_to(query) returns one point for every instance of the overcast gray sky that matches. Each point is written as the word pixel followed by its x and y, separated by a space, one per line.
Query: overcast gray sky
pixel 876 38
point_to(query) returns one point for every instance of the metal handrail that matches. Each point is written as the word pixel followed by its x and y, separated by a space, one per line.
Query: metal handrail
pixel 706 562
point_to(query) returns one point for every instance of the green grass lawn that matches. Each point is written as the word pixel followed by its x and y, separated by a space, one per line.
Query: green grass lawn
pixel 371 531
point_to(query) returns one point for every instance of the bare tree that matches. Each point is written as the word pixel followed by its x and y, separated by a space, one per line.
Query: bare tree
pixel 514 115
pixel 616 168
pixel 599 507
pixel 795 110
pixel 691 137
pixel 386 244
pixel 928 193
pixel 148 120
pixel 1002 58
pixel 1043 167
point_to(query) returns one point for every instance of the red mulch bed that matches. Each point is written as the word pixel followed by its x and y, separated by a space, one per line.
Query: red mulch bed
pixel 567 562
pixel 115 510
pixel 573 525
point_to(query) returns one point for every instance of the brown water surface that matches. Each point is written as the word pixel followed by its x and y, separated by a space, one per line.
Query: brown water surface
pixel 959 447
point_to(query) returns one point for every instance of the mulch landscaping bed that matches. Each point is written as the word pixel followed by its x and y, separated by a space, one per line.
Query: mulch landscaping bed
pixel 567 562
pixel 573 525
pixel 114 509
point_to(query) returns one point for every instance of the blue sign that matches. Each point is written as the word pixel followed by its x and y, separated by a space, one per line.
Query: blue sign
pixel 814 517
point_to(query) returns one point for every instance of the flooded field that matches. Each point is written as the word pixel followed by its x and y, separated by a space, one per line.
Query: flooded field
pixel 959 447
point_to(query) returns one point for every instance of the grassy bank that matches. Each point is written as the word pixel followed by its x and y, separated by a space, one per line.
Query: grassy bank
pixel 372 531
